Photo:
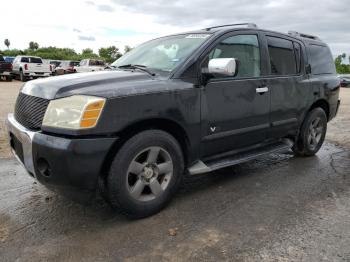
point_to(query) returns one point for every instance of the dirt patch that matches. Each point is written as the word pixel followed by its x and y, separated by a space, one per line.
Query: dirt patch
pixel 339 128
pixel 8 95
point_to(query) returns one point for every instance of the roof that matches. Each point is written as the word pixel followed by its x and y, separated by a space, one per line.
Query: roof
pixel 251 26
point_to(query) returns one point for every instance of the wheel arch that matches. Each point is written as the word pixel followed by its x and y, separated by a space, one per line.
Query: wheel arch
pixel 321 103
pixel 169 126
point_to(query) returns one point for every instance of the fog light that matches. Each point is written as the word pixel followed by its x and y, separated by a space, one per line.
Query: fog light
pixel 43 167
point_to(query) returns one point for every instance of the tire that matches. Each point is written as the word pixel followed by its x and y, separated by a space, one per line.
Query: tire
pixel 22 77
pixel 8 78
pixel 145 174
pixel 312 133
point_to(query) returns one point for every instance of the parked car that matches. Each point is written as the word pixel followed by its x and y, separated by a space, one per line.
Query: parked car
pixel 188 103
pixel 26 67
pixel 66 67
pixel 5 69
pixel 344 80
pixel 55 63
pixel 90 65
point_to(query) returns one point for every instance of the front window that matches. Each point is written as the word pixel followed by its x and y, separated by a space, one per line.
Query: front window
pixel 163 53
pixel 244 48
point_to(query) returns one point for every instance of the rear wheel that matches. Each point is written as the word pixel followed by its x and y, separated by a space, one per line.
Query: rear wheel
pixel 145 174
pixel 8 78
pixel 312 133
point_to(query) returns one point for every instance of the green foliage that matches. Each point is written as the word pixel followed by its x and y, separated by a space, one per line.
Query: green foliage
pixel 88 53
pixel 342 68
pixel 109 54
pixel 12 52
pixel 7 43
pixel 127 49
pixel 53 53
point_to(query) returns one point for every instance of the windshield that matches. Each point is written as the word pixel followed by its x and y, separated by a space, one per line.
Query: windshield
pixel 164 53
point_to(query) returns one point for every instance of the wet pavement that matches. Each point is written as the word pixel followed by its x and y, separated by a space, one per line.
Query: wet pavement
pixel 276 208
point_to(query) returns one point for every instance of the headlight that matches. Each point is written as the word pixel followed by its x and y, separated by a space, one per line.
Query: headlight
pixel 75 112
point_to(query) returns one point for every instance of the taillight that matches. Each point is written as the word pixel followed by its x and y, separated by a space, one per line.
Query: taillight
pixel 50 67
pixel 10 67
pixel 25 66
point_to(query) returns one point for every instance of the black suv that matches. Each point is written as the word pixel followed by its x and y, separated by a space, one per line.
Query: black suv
pixel 182 104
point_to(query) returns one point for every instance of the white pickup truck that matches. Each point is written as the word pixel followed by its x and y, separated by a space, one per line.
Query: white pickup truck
pixel 90 65
pixel 26 67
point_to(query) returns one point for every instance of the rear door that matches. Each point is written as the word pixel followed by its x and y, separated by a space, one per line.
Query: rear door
pixel 234 113
pixel 288 84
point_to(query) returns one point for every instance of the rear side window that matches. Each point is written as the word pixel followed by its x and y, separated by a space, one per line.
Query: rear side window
pixel 282 58
pixel 321 60
pixel 24 60
pixel 1 58
pixel 36 60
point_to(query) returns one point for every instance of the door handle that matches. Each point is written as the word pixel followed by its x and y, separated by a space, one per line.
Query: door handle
pixel 262 90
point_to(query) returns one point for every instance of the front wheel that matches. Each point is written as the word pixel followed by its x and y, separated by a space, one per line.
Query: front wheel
pixel 145 174
pixel 312 133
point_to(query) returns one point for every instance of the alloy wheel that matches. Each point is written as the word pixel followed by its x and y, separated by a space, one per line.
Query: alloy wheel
pixel 149 173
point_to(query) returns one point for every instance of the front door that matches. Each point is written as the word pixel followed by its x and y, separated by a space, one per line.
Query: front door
pixel 235 110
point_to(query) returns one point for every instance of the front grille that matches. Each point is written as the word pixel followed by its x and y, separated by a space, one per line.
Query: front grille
pixel 30 110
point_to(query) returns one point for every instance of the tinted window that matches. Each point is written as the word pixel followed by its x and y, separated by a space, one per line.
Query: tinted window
pixel 73 63
pixel 245 49
pixel 282 59
pixel 24 60
pixel 96 63
pixel 36 60
pixel 321 60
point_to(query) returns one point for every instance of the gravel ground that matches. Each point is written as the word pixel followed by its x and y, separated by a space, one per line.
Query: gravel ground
pixel 276 208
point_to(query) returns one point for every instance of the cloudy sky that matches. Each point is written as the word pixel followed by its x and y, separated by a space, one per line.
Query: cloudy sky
pixel 87 23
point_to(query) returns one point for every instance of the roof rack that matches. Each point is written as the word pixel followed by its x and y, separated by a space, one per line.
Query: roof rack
pixel 249 25
pixel 294 33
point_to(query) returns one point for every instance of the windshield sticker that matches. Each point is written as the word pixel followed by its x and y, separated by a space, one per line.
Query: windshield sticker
pixel 202 36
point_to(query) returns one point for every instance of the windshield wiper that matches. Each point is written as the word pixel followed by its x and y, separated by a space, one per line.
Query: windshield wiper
pixel 140 67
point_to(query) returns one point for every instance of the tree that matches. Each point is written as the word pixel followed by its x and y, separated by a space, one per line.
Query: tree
pixel 88 53
pixel 127 49
pixel 7 43
pixel 33 45
pixel 341 68
pixel 110 54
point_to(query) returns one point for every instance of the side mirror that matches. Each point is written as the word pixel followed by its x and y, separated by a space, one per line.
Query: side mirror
pixel 223 66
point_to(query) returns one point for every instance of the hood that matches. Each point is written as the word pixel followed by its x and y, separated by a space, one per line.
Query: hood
pixel 104 84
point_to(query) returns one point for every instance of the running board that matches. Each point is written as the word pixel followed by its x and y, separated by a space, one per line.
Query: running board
pixel 201 167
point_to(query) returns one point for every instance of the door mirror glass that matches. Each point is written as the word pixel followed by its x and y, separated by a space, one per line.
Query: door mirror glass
pixel 223 66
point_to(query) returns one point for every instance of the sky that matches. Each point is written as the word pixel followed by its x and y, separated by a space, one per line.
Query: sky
pixel 92 24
